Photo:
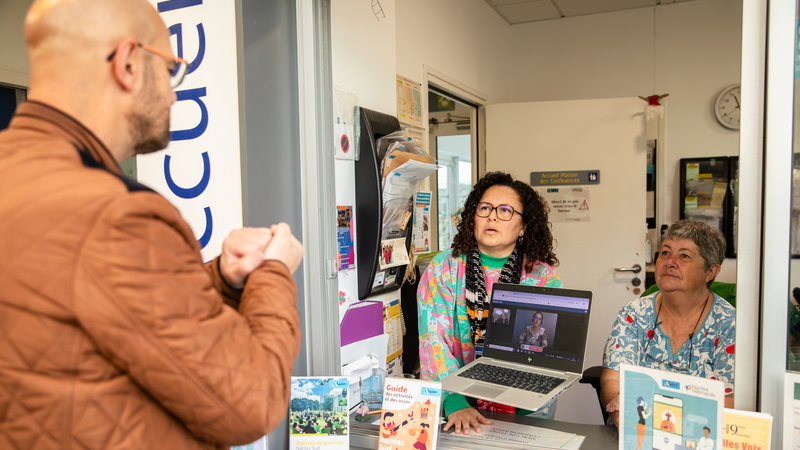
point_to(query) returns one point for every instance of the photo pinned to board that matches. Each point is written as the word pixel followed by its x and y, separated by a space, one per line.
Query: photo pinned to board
pixel 393 253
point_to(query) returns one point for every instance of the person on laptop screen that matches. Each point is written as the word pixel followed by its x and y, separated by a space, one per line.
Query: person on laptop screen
pixel 683 328
pixel 535 334
pixel 503 235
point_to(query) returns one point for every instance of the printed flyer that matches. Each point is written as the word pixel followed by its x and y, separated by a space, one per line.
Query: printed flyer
pixel 745 430
pixel 669 411
pixel 345 237
pixel 791 411
pixel 410 414
pixel 318 414
pixel 422 219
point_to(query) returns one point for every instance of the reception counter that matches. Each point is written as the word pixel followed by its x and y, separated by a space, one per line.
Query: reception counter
pixel 598 437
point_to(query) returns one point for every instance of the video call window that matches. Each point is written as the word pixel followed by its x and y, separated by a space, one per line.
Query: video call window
pixel 501 316
pixel 538 331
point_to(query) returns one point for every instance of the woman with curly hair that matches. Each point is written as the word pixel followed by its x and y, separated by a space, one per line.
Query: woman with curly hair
pixel 503 236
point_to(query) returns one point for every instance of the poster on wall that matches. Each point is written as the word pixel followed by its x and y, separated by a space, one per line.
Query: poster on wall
pixel 570 204
pixel 422 221
pixel 204 125
pixel 415 133
pixel 345 237
pixel 409 102
pixel 345 102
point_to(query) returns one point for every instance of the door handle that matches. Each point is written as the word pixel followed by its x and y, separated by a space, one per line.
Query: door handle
pixel 635 269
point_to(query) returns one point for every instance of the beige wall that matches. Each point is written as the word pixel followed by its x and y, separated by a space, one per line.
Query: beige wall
pixel 463 39
pixel 690 50
pixel 14 67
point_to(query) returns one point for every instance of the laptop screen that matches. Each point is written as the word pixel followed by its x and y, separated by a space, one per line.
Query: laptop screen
pixel 543 327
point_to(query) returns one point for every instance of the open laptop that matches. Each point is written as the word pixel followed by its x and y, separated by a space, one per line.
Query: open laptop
pixel 546 369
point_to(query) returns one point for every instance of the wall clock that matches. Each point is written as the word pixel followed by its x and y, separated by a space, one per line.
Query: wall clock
pixel 727 107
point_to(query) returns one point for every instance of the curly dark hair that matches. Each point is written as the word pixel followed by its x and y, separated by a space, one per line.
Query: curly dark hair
pixel 537 243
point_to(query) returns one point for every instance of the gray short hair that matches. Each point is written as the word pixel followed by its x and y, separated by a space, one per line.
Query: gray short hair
pixel 710 242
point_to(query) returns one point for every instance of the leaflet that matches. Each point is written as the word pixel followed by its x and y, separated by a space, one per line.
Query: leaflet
pixel 318 413
pixel 410 414
pixel 514 433
pixel 668 410
pixel 791 411
pixel 402 182
pixel 745 430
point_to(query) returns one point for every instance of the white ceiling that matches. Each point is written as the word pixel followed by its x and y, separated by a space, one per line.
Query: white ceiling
pixel 524 11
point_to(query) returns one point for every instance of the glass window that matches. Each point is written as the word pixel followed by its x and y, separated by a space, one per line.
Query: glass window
pixel 454 185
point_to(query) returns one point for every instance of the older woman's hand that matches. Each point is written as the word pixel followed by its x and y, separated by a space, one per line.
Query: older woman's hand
pixel 613 407
pixel 463 418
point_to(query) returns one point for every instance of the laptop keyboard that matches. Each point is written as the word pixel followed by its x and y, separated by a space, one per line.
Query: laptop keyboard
pixel 512 378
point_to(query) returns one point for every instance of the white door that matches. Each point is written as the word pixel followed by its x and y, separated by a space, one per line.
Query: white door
pixel 606 135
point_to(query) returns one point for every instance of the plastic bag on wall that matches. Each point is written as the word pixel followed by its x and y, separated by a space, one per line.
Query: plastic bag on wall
pixel 345 118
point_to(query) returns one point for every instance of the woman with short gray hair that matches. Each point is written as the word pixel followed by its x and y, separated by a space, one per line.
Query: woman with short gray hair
pixel 682 328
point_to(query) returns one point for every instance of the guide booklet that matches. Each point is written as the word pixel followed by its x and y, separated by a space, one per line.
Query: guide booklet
pixel 669 411
pixel 318 413
pixel 410 414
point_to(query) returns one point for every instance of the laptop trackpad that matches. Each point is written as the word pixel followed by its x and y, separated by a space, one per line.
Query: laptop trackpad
pixel 482 391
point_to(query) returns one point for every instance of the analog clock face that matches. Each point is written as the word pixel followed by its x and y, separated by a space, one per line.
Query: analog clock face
pixel 727 107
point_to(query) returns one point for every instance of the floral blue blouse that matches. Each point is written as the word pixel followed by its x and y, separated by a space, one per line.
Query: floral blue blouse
pixel 711 348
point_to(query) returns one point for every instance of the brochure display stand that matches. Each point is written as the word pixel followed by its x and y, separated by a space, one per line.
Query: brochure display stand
pixel 369 207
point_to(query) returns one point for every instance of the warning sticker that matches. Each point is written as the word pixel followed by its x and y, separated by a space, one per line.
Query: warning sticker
pixel 572 204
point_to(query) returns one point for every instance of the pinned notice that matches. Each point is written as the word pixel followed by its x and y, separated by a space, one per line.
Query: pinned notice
pixel 572 204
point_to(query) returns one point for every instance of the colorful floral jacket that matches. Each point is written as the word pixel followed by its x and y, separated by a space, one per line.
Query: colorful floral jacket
pixel 445 338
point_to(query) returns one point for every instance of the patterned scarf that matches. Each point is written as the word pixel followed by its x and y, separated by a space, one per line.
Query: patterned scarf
pixel 476 296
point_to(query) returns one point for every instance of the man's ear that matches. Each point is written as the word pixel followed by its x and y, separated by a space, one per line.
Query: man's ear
pixel 123 67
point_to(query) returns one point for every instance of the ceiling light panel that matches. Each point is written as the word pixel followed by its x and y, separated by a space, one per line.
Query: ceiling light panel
pixel 572 8
pixel 529 11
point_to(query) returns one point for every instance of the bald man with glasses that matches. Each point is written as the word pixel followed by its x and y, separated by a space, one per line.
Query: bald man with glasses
pixel 113 332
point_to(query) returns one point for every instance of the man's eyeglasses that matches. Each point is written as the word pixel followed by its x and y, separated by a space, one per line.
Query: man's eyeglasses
pixel 178 72
pixel 504 212
pixel 669 362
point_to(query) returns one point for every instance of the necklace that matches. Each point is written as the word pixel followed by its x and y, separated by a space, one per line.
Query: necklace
pixel 698 319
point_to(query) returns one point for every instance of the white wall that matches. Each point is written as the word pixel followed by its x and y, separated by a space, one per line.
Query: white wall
pixel 464 39
pixel 363 59
pixel 690 50
pixel 14 66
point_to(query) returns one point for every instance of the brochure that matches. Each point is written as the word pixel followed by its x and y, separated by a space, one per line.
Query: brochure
pixel 318 413
pixel 410 414
pixel 744 430
pixel 668 410
pixel 791 411
pixel 514 433
pixel 345 237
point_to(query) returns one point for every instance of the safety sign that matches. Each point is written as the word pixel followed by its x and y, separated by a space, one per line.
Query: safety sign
pixel 571 204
